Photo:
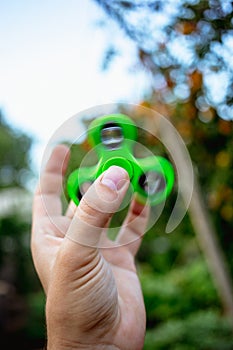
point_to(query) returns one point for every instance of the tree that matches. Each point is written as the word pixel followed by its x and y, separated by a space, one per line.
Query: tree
pixel 14 156
pixel 185 47
pixel 18 282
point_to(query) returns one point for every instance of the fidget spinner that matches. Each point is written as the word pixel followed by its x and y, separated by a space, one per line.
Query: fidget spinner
pixel 113 138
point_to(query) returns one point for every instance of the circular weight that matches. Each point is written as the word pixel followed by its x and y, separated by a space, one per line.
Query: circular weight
pixel 112 136
pixel 119 161
pixel 152 182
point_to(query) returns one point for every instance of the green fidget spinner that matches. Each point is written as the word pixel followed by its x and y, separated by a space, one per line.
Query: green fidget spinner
pixel 113 138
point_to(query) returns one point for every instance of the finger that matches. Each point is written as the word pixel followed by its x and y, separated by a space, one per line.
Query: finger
pixel 97 206
pixel 105 241
pixel 47 196
pixel 72 206
pixel 71 210
pixel 134 226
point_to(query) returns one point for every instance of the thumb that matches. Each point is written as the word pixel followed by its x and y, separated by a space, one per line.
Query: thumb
pixel 97 206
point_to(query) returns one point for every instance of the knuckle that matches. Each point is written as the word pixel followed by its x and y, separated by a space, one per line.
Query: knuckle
pixel 92 215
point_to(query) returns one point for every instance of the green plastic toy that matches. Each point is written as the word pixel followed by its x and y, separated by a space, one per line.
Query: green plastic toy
pixel 113 138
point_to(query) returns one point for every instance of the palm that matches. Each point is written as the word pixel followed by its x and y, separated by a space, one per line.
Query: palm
pixel 131 308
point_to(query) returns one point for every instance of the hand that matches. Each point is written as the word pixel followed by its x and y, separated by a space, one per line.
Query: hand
pixel 94 298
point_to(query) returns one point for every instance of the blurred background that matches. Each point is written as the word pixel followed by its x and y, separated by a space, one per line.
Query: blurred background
pixel 175 57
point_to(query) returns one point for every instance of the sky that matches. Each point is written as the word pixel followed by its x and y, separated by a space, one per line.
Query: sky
pixel 50 58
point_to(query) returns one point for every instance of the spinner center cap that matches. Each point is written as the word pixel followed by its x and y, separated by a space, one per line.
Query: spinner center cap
pixel 119 161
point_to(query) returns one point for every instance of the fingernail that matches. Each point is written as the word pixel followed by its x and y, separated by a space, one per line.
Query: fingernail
pixel 114 178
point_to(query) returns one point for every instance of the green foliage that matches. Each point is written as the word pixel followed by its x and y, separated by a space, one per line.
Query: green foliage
pixel 14 156
pixel 200 330
pixel 21 297
pixel 35 325
pixel 14 251
pixel 178 292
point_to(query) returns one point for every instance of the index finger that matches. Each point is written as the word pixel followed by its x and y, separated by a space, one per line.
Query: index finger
pixel 47 199
pixel 134 226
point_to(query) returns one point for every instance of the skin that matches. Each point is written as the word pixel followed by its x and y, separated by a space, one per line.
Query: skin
pixel 93 295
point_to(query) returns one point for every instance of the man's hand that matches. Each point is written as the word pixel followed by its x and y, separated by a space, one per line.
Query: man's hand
pixel 94 298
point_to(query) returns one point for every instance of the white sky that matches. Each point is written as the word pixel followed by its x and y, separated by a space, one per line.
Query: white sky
pixel 50 57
